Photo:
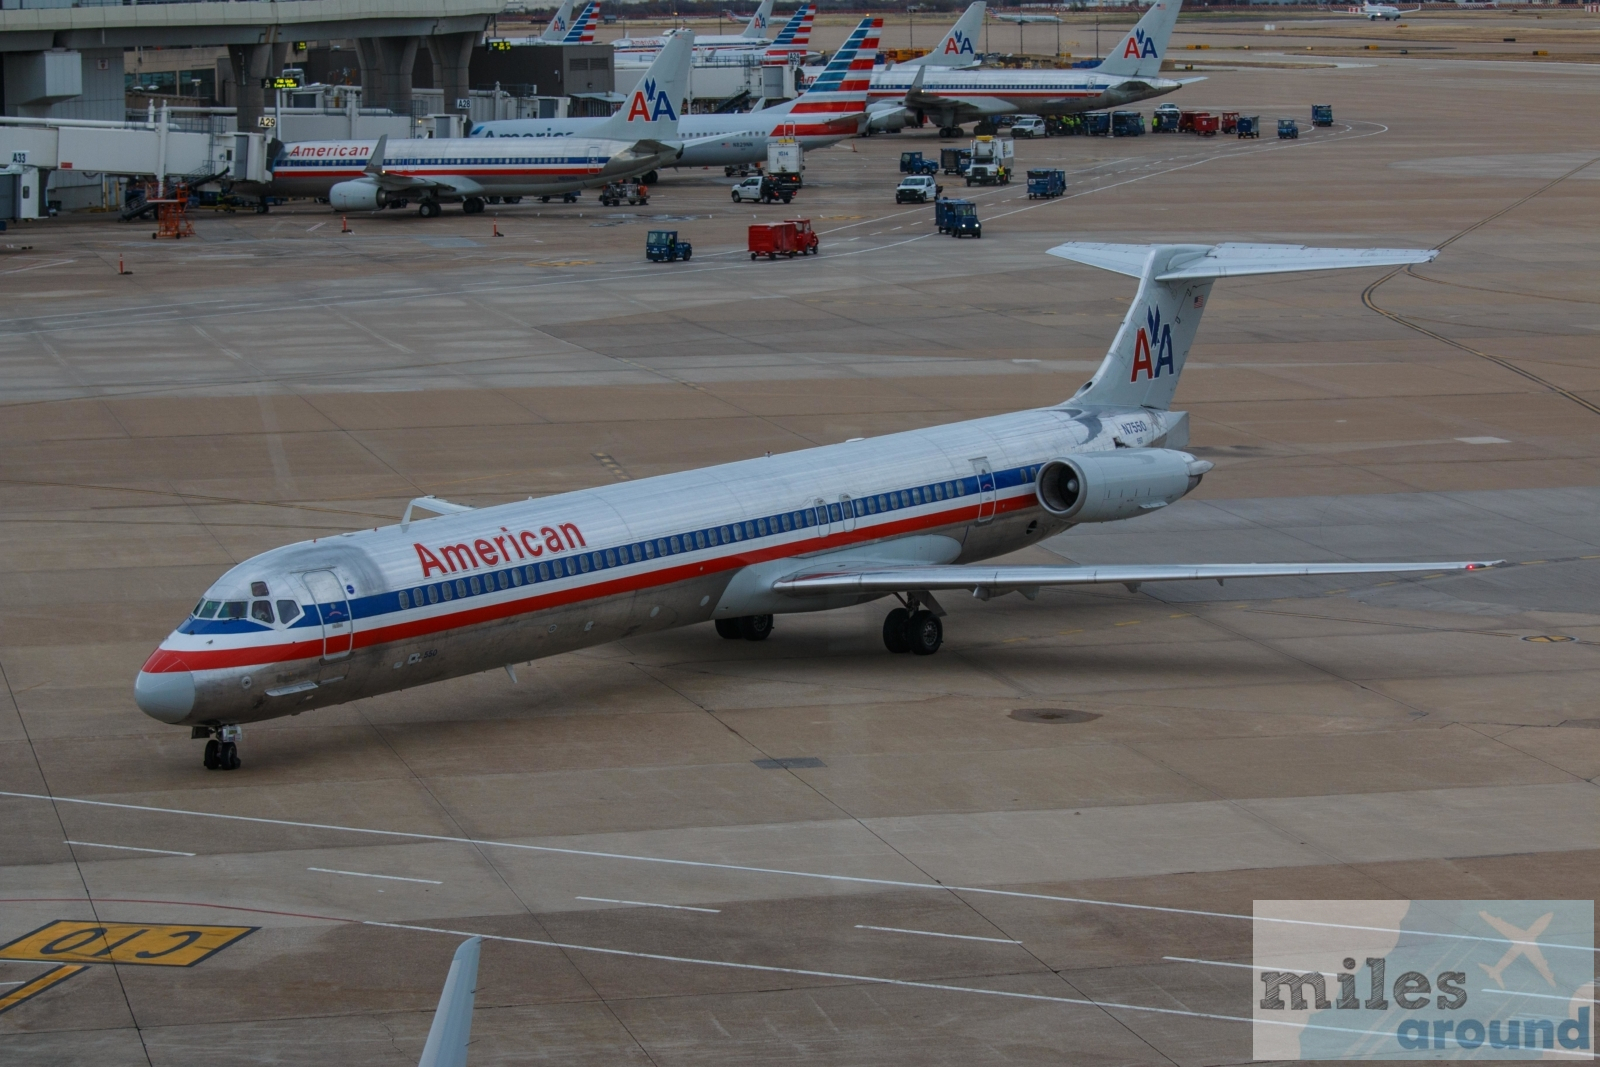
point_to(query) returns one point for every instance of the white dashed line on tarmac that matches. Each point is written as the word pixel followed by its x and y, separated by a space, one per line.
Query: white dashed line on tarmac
pixel 128 848
pixel 647 904
pixel 935 933
pixel 388 877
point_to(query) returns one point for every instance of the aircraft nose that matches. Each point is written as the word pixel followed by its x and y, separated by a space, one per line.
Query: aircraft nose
pixel 167 695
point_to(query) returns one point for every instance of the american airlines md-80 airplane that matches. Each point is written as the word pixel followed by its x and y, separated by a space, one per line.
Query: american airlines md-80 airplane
pixel 908 515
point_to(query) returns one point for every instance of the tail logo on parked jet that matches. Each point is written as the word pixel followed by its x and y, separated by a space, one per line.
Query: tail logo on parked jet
pixel 958 43
pixel 1140 45
pixel 650 103
pixel 1155 337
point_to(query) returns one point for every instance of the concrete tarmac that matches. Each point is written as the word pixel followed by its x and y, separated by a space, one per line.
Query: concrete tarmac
pixel 808 851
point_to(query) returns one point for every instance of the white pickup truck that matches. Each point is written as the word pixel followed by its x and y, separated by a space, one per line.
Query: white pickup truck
pixel 916 189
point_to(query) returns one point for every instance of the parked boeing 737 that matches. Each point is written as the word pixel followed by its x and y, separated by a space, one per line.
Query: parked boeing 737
pixel 827 112
pixel 365 176
pixel 754 35
pixel 908 515
pixel 903 95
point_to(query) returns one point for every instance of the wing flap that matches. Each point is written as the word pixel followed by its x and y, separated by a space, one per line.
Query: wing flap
pixel 985 580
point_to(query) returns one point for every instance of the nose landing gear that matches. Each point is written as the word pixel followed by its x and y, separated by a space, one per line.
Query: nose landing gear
pixel 749 627
pixel 914 628
pixel 222 751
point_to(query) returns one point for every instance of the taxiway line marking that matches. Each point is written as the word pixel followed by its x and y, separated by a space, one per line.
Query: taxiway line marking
pixel 935 933
pixel 747 869
pixel 1246 966
pixel 361 874
pixel 803 972
pixel 647 904
pixel 1541 996
pixel 30 989
pixel 128 848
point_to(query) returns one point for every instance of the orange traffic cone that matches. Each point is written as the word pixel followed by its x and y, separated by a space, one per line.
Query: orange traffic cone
pixel 344 224
pixel 497 232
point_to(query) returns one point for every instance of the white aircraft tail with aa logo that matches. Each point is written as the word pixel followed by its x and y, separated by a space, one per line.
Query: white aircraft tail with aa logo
pixel 1146 357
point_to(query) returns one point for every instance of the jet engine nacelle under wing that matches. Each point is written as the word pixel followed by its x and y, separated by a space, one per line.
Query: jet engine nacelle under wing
pixel 1102 486
pixel 361 194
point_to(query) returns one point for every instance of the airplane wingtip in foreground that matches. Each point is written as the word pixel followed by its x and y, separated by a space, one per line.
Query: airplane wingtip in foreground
pixel 328 621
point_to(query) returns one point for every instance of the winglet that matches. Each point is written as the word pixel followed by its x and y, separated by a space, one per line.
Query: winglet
pixel 375 160
pixel 452 1022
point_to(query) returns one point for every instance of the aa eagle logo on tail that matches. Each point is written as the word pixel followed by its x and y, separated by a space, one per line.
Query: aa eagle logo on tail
pixel 1140 45
pixel 1153 338
pixel 650 104
pixel 958 44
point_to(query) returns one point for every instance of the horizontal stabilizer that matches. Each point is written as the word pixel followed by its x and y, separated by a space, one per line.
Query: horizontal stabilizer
pixel 1236 260
pixel 987 581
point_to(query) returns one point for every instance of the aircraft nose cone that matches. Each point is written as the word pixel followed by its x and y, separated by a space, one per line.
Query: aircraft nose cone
pixel 168 695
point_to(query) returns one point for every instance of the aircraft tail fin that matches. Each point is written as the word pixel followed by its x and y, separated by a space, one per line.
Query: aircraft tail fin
pixel 960 46
pixel 652 108
pixel 1139 54
pixel 836 100
pixel 452 1022
pixel 560 23
pixel 581 30
pixel 757 26
pixel 1146 357
pixel 795 34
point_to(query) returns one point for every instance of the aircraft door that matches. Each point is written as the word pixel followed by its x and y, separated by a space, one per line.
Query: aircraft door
pixel 986 489
pixel 338 628
pixel 847 514
pixel 597 158
pixel 824 520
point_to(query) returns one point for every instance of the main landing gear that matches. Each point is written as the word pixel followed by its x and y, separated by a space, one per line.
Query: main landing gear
pixel 913 628
pixel 749 627
pixel 222 750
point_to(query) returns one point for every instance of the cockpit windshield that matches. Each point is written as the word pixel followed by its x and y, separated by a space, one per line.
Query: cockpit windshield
pixel 285 612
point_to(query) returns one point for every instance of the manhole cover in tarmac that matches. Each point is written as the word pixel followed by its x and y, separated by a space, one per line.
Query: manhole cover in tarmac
pixel 1054 715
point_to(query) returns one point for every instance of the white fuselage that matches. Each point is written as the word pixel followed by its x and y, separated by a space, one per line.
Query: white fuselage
pixel 376 611
pixel 708 140
pixel 968 94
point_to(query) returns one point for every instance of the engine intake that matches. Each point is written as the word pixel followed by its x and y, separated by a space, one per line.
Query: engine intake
pixel 360 194
pixel 1103 486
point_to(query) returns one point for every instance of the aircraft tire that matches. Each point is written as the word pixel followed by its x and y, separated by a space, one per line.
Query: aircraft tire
pixel 755 627
pixel 472 205
pixel 228 756
pixel 895 638
pixel 924 633
pixel 210 759
pixel 728 629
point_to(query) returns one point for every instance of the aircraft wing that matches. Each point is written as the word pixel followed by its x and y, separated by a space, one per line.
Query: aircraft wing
pixel 400 183
pixel 986 581
pixel 1237 260
pixel 452 1022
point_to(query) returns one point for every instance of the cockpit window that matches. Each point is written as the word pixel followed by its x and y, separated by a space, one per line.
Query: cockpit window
pixel 261 610
pixel 288 611
pixel 233 609
pixel 208 610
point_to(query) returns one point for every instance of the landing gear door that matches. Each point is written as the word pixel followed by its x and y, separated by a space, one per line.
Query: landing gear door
pixel 986 489
pixel 338 628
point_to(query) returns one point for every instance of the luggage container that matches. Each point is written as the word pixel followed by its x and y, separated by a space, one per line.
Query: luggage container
pixel 1127 124
pixel 1046 184
pixel 1186 120
pixel 1207 125
pixel 616 192
pixel 1164 122
pixel 773 239
pixel 955 160
pixel 1249 126
pixel 1097 124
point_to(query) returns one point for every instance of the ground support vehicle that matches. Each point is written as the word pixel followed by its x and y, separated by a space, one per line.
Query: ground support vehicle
pixel 992 161
pixel 791 237
pixel 958 218
pixel 916 189
pixel 1030 126
pixel 1164 122
pixel 1288 130
pixel 805 237
pixel 762 189
pixel 1230 122
pixel 1097 124
pixel 566 198
pixel 1322 114
pixel 1249 126
pixel 632 191
pixel 1065 126
pixel 954 160
pixel 663 246
pixel 913 163
pixel 1046 184
pixel 1186 120
pixel 1127 124
pixel 1207 125
pixel 786 162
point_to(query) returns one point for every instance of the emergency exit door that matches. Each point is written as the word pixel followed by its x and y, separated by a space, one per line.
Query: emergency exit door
pixel 986 488
pixel 338 628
